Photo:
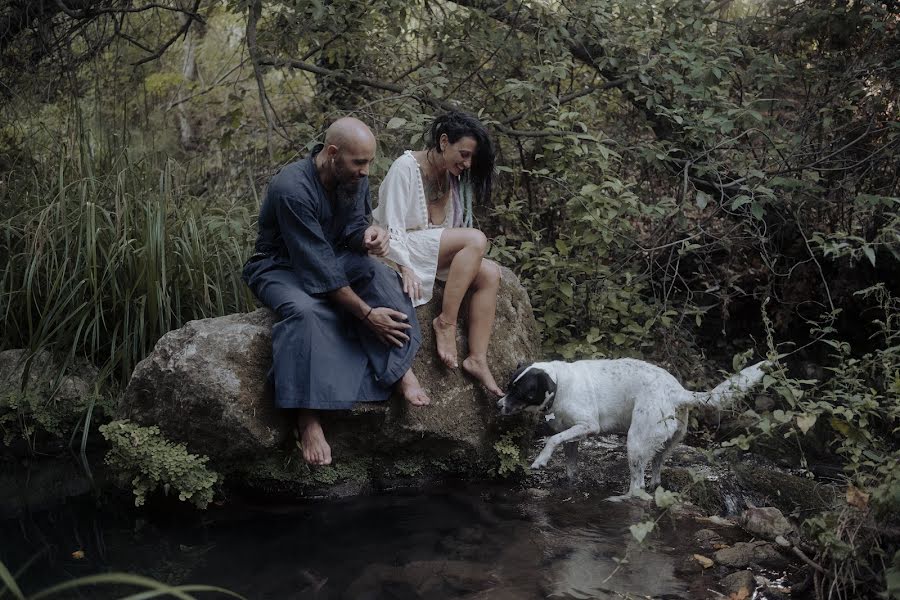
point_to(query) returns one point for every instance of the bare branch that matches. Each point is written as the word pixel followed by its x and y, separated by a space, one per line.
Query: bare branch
pixel 182 31
pixel 254 11
pixel 88 12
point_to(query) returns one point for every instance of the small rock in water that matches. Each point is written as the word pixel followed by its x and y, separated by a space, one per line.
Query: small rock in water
pixel 707 539
pixel 740 584
pixel 766 522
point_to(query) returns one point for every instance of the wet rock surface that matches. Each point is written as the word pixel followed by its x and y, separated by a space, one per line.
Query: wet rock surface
pixel 731 537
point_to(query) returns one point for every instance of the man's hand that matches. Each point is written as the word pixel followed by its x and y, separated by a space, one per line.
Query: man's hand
pixel 389 325
pixel 376 240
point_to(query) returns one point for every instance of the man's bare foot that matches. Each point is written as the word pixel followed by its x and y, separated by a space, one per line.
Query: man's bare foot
pixel 412 390
pixel 315 449
pixel 445 337
pixel 478 368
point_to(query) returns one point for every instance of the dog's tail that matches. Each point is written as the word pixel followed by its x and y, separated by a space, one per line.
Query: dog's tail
pixel 733 386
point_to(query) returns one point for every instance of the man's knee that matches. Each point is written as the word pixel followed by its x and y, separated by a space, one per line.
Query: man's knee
pixel 296 307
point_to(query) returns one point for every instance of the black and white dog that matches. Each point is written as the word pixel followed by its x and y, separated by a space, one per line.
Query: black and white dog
pixel 614 396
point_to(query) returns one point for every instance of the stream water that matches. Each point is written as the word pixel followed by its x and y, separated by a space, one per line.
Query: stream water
pixel 472 541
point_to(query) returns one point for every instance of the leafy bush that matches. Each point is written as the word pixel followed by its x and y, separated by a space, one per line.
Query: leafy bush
pixel 151 462
pixel 509 454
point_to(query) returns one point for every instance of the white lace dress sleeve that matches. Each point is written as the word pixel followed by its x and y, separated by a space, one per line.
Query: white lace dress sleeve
pixel 402 211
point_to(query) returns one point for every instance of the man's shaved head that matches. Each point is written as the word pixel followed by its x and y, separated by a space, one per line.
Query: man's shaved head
pixel 348 153
pixel 348 132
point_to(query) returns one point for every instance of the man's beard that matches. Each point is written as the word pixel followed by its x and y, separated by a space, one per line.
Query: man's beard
pixel 346 191
pixel 347 186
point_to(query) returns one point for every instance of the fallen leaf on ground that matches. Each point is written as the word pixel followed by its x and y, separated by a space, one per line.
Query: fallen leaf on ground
pixel 704 561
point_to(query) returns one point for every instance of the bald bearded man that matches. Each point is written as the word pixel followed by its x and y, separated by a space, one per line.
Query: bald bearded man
pixel 346 331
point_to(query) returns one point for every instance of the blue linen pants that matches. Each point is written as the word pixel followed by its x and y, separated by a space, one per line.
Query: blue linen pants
pixel 322 356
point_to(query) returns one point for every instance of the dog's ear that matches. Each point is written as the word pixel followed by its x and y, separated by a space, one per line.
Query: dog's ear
pixel 519 368
pixel 547 383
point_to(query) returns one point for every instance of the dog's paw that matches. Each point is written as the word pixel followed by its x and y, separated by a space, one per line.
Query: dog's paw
pixel 540 462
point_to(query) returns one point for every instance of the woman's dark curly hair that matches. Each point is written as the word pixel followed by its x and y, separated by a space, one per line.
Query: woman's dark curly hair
pixel 457 124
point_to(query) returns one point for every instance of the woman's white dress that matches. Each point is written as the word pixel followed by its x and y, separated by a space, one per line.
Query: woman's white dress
pixel 403 211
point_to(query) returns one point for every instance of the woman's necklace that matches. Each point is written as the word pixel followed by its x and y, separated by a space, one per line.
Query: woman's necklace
pixel 436 186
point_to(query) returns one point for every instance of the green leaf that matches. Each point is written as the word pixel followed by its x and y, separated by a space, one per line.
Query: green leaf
pixel 396 123
pixel 870 253
pixel 740 201
pixel 664 498
pixel 640 530
pixel 702 200
pixel 805 422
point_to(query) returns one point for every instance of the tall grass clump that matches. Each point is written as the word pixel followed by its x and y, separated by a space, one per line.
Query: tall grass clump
pixel 105 251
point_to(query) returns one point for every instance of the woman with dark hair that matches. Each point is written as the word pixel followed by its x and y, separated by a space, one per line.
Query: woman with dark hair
pixel 425 203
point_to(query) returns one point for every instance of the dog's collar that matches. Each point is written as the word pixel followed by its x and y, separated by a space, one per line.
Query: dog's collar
pixel 548 398
pixel 545 405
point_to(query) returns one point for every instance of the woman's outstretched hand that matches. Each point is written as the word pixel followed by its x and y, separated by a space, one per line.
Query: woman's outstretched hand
pixel 389 325
pixel 412 285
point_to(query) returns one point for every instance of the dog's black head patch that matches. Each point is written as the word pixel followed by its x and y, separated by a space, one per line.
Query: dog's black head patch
pixel 530 389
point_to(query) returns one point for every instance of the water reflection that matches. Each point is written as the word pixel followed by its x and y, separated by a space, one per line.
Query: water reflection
pixel 475 543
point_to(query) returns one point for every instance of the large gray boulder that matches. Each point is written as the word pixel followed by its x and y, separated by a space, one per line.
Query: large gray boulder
pixel 204 385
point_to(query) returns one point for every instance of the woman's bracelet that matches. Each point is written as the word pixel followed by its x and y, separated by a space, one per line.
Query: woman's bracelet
pixel 366 318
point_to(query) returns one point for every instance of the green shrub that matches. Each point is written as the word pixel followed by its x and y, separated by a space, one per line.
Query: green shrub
pixel 509 454
pixel 152 462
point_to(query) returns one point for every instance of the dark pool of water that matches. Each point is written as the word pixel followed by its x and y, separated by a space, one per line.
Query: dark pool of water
pixel 468 542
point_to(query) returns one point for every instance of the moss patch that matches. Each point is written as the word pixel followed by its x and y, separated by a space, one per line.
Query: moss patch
pixel 789 493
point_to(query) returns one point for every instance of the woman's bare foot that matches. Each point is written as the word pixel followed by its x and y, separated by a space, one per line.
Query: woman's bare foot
pixel 445 337
pixel 315 449
pixel 412 390
pixel 478 368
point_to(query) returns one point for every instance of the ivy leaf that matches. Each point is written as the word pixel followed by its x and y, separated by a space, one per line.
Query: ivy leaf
pixel 805 422
pixel 640 530
pixel 664 498
pixel 702 200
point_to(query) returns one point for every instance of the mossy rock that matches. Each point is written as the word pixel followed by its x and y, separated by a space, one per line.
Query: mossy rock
pixel 789 493
pixel 706 494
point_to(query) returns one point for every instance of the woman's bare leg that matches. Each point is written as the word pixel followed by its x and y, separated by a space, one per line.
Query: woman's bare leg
pixel 461 250
pixel 482 308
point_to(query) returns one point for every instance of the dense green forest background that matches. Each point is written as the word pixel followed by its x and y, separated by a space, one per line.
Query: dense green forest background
pixel 679 180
